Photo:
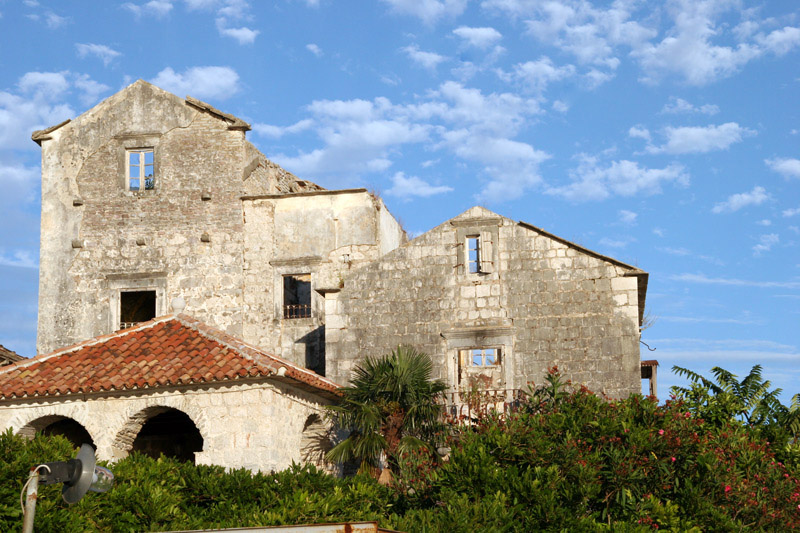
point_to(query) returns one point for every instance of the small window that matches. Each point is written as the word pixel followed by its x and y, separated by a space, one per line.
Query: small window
pixel 297 296
pixel 141 170
pixel 483 357
pixel 136 307
pixel 474 254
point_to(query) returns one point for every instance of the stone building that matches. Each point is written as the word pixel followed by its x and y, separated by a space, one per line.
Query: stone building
pixel 176 386
pixel 149 197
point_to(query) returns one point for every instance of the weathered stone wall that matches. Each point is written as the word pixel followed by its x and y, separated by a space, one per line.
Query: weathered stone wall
pixel 185 237
pixel 258 425
pixel 326 234
pixel 542 302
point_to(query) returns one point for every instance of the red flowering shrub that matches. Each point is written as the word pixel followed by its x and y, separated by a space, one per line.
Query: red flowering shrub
pixel 574 460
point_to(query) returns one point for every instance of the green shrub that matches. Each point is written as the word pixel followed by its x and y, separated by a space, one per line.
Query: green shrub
pixel 566 460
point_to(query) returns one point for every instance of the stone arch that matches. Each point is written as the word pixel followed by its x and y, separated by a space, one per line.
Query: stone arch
pixel 160 429
pixel 67 427
pixel 315 441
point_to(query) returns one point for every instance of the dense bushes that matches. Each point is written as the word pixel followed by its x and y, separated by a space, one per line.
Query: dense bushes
pixel 561 462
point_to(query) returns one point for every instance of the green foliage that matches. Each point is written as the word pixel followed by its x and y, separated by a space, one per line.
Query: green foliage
pixel 749 401
pixel 389 408
pixel 565 461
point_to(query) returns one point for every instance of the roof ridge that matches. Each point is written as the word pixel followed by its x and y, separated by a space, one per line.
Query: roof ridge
pixel 89 342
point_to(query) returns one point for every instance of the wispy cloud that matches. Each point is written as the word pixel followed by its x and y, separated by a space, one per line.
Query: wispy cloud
pixel 737 201
pixel 786 167
pixel 428 60
pixel 478 37
pixel 201 82
pixel 703 279
pixel 155 8
pixel 314 49
pixel 428 11
pixel 700 140
pixel 765 243
pixel 101 51
pixel 681 106
pixel 593 181
pixel 408 187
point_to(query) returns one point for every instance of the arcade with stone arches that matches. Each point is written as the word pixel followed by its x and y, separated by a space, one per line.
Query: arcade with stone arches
pixel 153 431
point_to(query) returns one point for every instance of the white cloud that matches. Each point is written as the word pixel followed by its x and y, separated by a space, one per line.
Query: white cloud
pixel 737 201
pixel 616 243
pixel 699 139
pixel 591 181
pixel 407 187
pixel 786 167
pixel 101 51
pixel 478 37
pixel 658 231
pixel 560 106
pixel 155 8
pixel 639 132
pixel 578 28
pixel 41 100
pixel 679 105
pixel 765 244
pixel 314 49
pixel 54 21
pixel 703 279
pixel 275 132
pixel 781 41
pixel 428 60
pixel 428 11
pixel 19 259
pixel 627 217
pixel 90 89
pixel 791 212
pixel 536 75
pixel 201 82
pixel 359 136
pixel 688 50
pixel 362 136
pixel 764 222
pixel 242 35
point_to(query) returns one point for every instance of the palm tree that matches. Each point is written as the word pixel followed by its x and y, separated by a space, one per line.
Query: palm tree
pixel 389 408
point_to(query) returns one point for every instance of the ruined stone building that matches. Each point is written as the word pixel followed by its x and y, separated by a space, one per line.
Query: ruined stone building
pixel 149 199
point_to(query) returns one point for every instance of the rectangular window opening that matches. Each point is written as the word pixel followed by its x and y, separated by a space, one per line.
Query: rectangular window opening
pixel 474 254
pixel 141 169
pixel 297 296
pixel 136 307
pixel 483 357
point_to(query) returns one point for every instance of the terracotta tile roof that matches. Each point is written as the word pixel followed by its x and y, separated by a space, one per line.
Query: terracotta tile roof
pixel 171 350
pixel 649 362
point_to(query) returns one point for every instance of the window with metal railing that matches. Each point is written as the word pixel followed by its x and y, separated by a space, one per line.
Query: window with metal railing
pixel 136 307
pixel 297 296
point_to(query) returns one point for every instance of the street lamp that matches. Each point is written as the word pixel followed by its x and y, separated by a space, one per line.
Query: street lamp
pixel 78 475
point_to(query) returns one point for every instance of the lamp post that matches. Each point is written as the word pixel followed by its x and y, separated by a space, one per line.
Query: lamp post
pixel 78 475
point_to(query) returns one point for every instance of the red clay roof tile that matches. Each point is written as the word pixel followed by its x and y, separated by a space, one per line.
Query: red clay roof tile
pixel 171 350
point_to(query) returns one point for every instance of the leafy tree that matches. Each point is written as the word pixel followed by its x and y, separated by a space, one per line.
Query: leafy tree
pixel 389 408
pixel 749 401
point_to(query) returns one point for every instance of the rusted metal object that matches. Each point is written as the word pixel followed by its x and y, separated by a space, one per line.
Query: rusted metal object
pixel 465 406
pixel 31 495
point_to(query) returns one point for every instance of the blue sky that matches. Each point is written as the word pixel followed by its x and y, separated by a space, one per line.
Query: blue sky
pixel 664 134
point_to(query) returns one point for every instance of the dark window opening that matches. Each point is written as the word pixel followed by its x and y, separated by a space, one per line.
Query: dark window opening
pixel 136 307
pixel 71 430
pixel 297 296
pixel 172 434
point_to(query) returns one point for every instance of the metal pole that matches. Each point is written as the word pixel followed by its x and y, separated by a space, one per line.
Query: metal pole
pixel 30 500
